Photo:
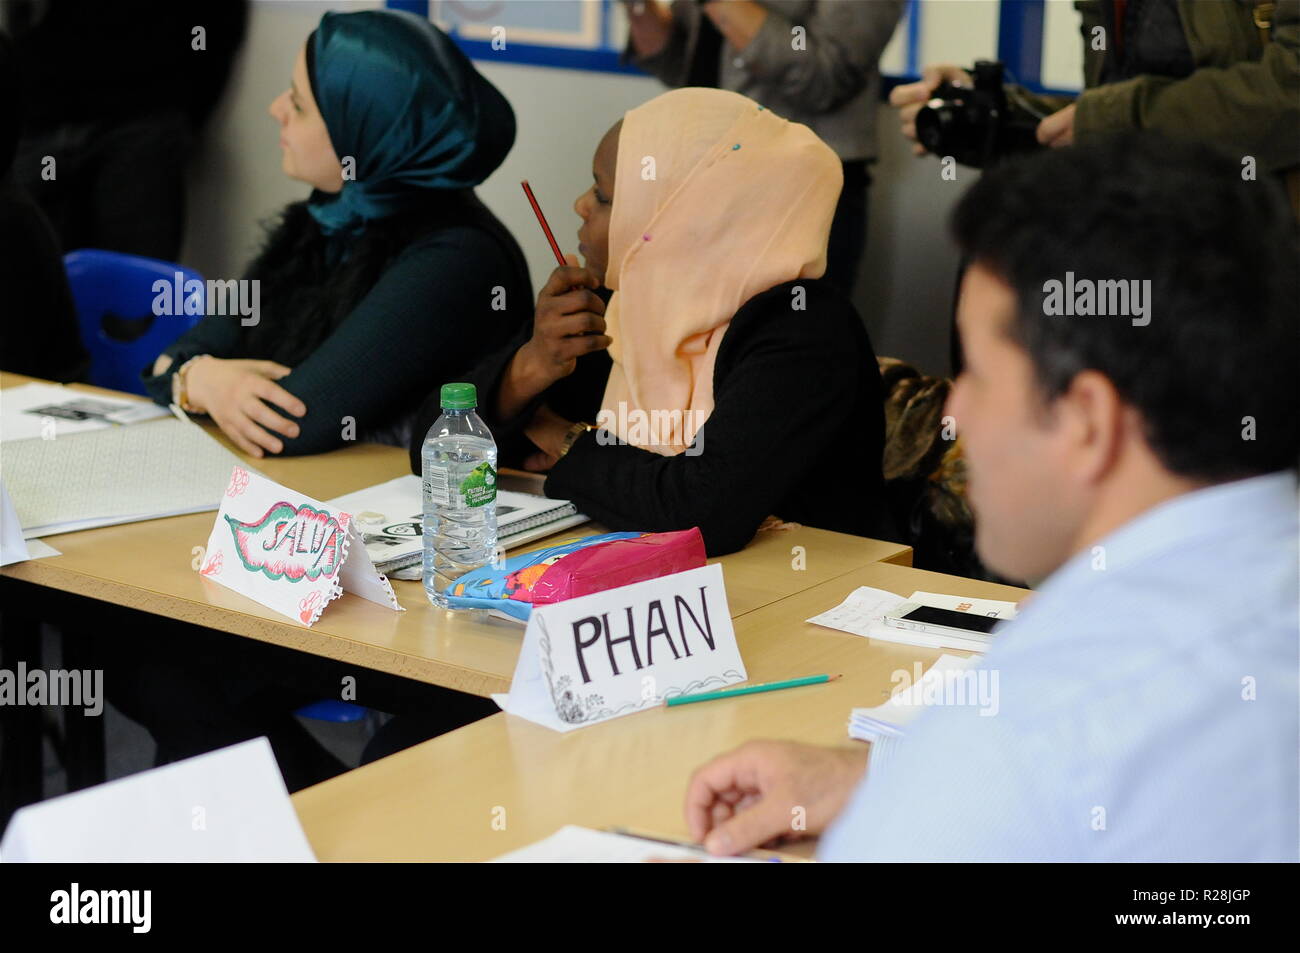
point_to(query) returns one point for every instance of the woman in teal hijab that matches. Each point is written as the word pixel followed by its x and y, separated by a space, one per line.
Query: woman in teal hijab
pixel 374 290
pixel 398 96
pixel 382 284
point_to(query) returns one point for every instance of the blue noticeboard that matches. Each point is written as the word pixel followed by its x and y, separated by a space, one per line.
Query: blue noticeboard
pixel 569 34
pixel 590 34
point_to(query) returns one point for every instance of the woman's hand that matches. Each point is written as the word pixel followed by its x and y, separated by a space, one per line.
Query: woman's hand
pixel 569 322
pixel 547 431
pixel 232 393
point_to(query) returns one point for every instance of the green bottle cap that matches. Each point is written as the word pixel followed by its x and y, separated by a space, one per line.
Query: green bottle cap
pixel 459 397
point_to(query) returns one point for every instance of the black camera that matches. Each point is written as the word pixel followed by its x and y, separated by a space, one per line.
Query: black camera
pixel 975 125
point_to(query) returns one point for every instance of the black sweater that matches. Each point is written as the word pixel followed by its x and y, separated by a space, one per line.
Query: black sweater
pixel 797 431
pixel 433 308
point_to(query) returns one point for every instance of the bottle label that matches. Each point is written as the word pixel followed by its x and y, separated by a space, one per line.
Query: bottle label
pixel 436 487
pixel 480 487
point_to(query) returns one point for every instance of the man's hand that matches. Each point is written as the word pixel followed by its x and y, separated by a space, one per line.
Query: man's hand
pixel 234 394
pixel 650 25
pixel 1057 129
pixel 755 794
pixel 737 20
pixel 909 99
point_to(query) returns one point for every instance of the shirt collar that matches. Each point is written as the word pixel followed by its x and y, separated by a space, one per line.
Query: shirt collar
pixel 1243 507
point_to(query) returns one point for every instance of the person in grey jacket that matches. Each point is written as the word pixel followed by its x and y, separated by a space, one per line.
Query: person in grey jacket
pixel 810 61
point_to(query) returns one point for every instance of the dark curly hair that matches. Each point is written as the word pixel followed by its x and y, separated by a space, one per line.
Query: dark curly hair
pixel 1222 347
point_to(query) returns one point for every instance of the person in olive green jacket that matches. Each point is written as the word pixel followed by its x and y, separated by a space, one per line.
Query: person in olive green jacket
pixel 1225 72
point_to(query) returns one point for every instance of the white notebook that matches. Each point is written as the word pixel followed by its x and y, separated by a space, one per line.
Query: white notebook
pixel 390 518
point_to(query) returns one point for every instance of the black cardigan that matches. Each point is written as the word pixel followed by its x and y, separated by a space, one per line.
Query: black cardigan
pixel 797 431
pixel 432 310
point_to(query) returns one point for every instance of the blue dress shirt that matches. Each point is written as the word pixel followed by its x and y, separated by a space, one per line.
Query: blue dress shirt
pixel 1148 707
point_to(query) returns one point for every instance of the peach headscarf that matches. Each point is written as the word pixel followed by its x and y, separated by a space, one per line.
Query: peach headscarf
pixel 716 199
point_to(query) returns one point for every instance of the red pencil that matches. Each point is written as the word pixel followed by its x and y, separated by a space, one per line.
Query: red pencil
pixel 537 209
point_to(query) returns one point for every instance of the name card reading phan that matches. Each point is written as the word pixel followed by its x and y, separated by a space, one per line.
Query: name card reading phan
pixel 287 551
pixel 623 650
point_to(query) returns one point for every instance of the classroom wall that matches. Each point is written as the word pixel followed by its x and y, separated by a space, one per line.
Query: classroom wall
pixel 905 290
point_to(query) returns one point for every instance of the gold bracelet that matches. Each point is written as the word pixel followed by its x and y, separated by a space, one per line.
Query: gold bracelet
pixel 180 393
pixel 571 437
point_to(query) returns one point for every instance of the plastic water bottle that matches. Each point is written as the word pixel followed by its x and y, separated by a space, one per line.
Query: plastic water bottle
pixel 459 471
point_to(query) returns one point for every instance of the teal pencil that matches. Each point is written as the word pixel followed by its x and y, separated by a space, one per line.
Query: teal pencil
pixel 750 690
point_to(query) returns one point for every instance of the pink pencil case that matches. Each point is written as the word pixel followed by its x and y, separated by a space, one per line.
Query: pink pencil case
pixel 577 567
pixel 620 563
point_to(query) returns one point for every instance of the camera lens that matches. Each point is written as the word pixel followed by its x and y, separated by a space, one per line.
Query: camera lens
pixel 934 125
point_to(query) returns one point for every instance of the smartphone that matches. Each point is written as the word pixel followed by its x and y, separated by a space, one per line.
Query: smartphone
pixel 922 618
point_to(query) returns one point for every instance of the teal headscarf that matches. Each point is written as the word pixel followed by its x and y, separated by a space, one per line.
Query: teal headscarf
pixel 407 105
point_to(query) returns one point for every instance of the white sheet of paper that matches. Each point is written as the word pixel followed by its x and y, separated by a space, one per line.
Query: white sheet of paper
pixel 582 845
pixel 288 551
pixel 19 422
pixel 226 806
pixel 994 608
pixel 13 548
pixel 548 685
pixel 862 608
pixel 39 549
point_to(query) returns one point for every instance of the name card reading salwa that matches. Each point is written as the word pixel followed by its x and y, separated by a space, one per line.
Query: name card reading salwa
pixel 623 650
pixel 287 551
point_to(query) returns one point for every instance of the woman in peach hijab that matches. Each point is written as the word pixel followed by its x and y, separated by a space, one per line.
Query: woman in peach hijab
pixel 723 381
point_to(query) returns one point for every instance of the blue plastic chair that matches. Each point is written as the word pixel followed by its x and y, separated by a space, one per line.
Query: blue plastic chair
pixel 331 710
pixel 114 295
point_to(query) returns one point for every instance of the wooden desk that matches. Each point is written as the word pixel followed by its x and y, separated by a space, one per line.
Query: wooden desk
pixel 148 566
pixel 438 800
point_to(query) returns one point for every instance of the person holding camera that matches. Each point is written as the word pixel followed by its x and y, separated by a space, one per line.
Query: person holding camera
pixel 1225 72
pixel 810 61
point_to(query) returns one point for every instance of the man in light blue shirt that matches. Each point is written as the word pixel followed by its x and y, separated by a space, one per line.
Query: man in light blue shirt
pixel 1136 453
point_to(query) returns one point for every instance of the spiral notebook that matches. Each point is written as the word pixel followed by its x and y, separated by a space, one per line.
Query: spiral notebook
pixel 390 518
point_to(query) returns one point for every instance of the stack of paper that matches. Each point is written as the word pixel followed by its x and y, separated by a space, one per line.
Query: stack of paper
pixel 863 612
pixel 891 719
